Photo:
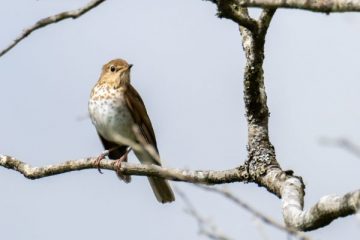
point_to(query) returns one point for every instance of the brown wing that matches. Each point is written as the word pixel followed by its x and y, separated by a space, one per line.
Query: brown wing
pixel 140 116
pixel 117 152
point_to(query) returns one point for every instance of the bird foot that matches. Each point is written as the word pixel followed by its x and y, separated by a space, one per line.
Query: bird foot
pixel 99 158
pixel 117 165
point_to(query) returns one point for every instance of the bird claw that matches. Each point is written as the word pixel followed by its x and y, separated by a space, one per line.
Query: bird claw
pixel 117 166
pixel 99 158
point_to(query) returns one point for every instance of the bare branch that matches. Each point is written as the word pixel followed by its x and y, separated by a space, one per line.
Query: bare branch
pixel 233 11
pixel 265 19
pixel 291 190
pixel 321 214
pixel 261 153
pixel 50 20
pixel 205 226
pixel 262 164
pixel 205 177
pixel 326 6
pixel 229 195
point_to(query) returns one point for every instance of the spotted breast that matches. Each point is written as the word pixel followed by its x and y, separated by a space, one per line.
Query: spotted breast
pixel 109 114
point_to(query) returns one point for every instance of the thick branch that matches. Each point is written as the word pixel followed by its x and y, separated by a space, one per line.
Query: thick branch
pixel 229 195
pixel 291 190
pixel 50 20
pixel 321 214
pixel 325 6
pixel 200 176
pixel 261 153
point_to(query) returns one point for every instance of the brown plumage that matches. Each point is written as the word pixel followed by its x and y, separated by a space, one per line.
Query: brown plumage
pixel 115 107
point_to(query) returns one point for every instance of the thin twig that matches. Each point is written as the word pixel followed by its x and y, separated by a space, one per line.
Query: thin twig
pixel 229 195
pixel 50 20
pixel 205 226
pixel 260 228
pixel 264 20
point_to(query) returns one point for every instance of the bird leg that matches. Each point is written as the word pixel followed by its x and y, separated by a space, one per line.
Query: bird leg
pixel 117 166
pixel 101 157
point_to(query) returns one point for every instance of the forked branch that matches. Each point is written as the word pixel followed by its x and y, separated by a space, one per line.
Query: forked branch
pixel 262 164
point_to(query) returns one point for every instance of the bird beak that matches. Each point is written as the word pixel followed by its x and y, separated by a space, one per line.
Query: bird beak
pixel 130 66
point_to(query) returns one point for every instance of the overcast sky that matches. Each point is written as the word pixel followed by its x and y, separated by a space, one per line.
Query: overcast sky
pixel 188 67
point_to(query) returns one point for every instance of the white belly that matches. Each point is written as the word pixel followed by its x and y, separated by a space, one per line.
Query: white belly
pixel 112 119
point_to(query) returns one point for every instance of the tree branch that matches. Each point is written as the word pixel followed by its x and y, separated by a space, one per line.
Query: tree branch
pixel 50 20
pixel 326 6
pixel 321 214
pixel 262 163
pixel 200 176
pixel 264 20
pixel 230 9
pixel 229 195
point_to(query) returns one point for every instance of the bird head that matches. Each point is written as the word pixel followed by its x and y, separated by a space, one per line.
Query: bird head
pixel 116 73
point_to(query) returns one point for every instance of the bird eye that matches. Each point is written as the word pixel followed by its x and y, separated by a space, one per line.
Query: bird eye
pixel 112 68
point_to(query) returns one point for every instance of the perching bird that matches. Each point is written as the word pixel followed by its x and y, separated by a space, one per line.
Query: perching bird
pixel 115 107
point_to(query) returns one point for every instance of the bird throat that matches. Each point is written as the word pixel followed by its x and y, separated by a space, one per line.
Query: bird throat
pixel 115 82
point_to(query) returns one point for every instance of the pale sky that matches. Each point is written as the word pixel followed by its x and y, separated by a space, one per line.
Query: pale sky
pixel 188 67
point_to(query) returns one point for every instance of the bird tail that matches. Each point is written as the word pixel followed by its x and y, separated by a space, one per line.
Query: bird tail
pixel 160 186
pixel 161 189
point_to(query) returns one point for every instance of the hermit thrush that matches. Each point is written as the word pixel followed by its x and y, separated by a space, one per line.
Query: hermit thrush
pixel 115 107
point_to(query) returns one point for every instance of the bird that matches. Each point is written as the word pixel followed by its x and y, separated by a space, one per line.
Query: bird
pixel 115 108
